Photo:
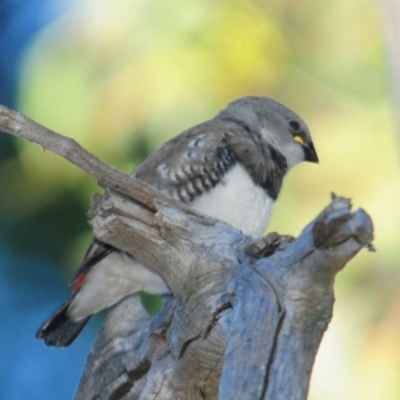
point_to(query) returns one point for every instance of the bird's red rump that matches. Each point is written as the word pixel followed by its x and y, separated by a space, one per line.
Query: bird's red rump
pixel 79 282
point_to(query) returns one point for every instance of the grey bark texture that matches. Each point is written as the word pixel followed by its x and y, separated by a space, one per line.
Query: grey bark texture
pixel 238 325
pixel 244 319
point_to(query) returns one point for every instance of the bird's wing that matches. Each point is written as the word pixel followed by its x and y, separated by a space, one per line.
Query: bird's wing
pixel 97 251
pixel 190 164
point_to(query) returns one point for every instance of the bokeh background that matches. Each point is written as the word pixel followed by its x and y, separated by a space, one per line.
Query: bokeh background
pixel 123 76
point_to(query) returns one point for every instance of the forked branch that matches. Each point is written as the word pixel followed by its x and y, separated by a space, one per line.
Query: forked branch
pixel 238 324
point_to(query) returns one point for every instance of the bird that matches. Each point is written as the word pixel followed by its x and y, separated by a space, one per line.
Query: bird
pixel 230 167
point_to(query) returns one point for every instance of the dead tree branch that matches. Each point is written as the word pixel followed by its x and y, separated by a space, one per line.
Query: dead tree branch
pixel 238 324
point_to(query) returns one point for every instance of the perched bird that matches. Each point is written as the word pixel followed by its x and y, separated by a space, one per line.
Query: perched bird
pixel 230 168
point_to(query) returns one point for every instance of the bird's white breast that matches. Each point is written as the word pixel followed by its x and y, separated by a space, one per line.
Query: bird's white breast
pixel 239 202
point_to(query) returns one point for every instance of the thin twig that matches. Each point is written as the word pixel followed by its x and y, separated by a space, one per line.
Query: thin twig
pixel 17 124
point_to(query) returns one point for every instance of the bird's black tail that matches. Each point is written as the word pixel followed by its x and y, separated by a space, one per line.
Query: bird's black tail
pixel 59 330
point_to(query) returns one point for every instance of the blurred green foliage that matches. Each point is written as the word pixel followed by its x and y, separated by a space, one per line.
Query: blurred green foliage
pixel 122 77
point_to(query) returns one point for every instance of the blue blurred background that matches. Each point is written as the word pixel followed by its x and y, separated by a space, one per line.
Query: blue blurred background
pixel 121 78
pixel 31 276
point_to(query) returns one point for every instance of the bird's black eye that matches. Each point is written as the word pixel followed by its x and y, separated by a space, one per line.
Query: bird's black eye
pixel 294 126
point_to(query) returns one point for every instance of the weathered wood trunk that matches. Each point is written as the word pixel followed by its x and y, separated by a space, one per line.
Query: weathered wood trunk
pixel 237 325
